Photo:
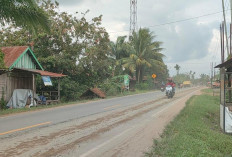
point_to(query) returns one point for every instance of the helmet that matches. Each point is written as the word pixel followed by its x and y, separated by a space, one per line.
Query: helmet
pixel 169 79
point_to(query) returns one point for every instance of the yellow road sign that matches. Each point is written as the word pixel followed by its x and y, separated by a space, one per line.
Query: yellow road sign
pixel 153 76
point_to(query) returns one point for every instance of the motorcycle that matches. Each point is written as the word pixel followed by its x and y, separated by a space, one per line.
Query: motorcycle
pixel 169 91
pixel 162 88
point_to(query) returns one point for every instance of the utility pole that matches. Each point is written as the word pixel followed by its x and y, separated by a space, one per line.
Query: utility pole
pixel 222 42
pixel 227 45
pixel 230 38
pixel 231 27
pixel 214 71
pixel 211 71
pixel 231 11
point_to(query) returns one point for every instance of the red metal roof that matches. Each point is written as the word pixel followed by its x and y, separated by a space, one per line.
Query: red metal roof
pixel 90 93
pixel 47 73
pixel 12 53
pixel 40 72
pixel 97 91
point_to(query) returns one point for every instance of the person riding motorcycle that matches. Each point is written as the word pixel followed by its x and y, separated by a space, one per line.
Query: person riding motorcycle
pixel 171 83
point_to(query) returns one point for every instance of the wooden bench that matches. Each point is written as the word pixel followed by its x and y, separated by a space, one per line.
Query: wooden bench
pixel 51 97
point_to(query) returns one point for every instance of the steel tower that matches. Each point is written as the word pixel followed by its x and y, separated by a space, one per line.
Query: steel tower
pixel 133 16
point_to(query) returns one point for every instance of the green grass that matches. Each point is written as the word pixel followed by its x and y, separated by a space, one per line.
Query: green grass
pixel 207 90
pixel 13 111
pixel 194 132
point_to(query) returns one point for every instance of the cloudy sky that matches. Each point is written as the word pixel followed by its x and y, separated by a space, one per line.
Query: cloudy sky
pixel 192 44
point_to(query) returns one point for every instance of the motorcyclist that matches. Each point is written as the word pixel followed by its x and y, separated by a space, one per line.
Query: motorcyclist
pixel 171 83
pixel 162 86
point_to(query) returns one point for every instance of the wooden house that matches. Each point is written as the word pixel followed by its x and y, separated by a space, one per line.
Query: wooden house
pixel 226 95
pixel 21 68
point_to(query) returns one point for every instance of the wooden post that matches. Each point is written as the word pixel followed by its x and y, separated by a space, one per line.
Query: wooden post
pixel 33 88
pixel 230 37
pixel 225 26
pixel 229 85
pixel 59 90
pixel 222 42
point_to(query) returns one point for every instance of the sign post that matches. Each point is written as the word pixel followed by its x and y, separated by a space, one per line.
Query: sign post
pixel 126 81
pixel 153 76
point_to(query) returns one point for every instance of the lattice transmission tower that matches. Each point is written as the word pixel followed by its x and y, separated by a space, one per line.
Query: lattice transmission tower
pixel 133 16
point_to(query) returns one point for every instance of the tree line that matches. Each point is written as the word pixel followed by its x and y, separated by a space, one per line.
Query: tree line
pixel 179 78
pixel 81 49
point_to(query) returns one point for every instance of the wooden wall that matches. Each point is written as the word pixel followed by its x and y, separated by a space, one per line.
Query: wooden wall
pixel 3 78
pixel 19 80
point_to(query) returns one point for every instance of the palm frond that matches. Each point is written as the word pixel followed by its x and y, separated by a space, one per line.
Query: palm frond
pixel 144 62
pixel 25 13
pixel 134 57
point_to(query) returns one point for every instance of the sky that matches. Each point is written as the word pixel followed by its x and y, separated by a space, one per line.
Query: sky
pixel 192 44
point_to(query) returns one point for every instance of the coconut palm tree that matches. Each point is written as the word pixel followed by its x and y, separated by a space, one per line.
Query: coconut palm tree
pixel 177 67
pixel 119 48
pixel 145 53
pixel 23 13
pixel 193 75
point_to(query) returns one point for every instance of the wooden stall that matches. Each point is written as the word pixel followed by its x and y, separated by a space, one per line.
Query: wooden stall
pixel 21 69
pixel 226 95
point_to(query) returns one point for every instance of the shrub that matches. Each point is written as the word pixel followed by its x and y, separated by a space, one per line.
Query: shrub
pixel 71 90
pixel 110 88
pixel 142 86
pixel 2 101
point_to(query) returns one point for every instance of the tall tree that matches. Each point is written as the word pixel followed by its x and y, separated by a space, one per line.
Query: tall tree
pixel 204 79
pixel 120 49
pixel 2 66
pixel 145 53
pixel 76 47
pixel 193 75
pixel 177 67
pixel 23 13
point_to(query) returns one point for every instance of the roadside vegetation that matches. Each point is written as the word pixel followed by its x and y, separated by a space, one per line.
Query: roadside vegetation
pixel 179 78
pixel 195 131
pixel 80 48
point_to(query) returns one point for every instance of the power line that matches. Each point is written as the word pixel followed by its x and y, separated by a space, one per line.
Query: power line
pixel 190 63
pixel 177 21
pixel 186 19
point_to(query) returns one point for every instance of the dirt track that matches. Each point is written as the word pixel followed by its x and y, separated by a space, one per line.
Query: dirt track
pixel 123 132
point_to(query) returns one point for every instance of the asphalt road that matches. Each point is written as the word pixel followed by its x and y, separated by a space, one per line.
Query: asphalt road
pixel 52 116
pixel 123 126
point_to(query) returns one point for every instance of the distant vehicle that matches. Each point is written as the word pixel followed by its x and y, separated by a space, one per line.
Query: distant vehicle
pixel 169 91
pixel 162 88
pixel 187 84
pixel 216 84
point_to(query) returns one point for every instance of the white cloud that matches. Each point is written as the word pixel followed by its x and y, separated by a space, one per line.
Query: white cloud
pixel 192 44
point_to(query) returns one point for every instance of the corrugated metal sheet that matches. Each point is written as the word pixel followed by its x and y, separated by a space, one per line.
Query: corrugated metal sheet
pixel 20 57
pixel 97 91
pixel 12 54
pixel 40 72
